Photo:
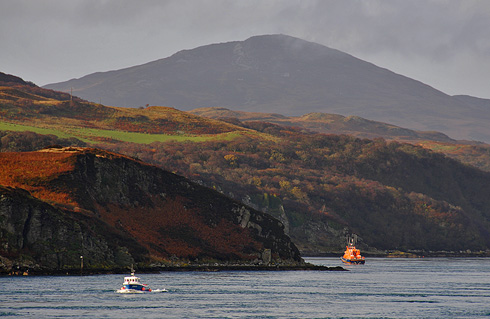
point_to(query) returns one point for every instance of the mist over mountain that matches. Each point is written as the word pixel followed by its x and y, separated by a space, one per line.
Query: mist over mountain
pixel 286 75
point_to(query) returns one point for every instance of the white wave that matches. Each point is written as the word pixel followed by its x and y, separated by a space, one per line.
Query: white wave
pixel 160 290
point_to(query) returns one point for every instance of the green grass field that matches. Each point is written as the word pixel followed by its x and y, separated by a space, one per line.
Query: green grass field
pixel 89 135
pixel 4 126
pixel 144 138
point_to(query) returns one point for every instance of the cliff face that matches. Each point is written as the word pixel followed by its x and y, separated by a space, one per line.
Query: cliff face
pixel 202 221
pixel 35 235
pixel 121 211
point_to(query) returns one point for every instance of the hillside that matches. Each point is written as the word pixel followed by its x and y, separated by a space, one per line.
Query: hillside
pixel 321 187
pixel 285 75
pixel 329 124
pixel 15 88
pixel 476 155
pixel 161 214
pixel 30 108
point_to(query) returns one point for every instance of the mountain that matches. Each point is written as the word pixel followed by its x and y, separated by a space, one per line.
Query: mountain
pixel 285 75
pixel 60 203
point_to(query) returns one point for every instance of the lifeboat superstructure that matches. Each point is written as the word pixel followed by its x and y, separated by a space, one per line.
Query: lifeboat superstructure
pixel 352 255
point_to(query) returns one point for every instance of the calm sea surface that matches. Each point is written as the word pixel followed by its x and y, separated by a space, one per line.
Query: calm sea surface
pixel 382 288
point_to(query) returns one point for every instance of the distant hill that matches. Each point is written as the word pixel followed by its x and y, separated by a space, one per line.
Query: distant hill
pixel 60 203
pixel 12 83
pixel 329 124
pixel 12 79
pixel 285 75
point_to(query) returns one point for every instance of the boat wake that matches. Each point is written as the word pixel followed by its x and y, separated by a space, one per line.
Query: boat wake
pixel 160 290
pixel 129 291
pixel 132 291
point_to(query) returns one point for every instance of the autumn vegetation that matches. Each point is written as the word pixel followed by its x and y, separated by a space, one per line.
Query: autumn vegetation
pixel 174 224
pixel 35 171
pixel 395 196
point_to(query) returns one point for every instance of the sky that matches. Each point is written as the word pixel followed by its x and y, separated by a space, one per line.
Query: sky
pixel 443 43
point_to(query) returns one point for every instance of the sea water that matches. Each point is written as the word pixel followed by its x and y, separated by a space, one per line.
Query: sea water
pixel 382 288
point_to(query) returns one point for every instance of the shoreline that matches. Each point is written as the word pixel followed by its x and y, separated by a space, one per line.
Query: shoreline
pixel 158 269
pixel 412 254
pixel 26 271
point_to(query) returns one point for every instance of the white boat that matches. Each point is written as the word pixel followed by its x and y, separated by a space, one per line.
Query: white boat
pixel 132 284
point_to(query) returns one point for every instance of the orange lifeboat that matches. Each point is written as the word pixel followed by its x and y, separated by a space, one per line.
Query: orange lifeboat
pixel 352 255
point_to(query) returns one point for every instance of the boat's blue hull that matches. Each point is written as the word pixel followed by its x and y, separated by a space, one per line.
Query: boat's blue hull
pixel 136 287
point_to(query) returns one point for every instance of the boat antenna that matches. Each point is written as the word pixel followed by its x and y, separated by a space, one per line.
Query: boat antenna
pixel 352 239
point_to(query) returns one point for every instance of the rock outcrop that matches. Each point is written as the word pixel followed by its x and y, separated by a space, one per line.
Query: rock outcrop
pixel 38 236
pixel 121 211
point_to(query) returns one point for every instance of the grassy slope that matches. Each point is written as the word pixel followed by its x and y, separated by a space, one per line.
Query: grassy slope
pixel 95 135
pixel 6 126
pixel 91 123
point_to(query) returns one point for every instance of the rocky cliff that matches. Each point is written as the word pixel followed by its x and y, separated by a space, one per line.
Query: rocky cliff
pixel 116 210
pixel 38 236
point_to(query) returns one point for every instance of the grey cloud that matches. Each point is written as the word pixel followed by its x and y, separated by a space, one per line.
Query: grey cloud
pixel 54 40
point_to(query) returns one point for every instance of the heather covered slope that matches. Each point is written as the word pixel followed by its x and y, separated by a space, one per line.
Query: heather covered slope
pixel 285 75
pixel 160 215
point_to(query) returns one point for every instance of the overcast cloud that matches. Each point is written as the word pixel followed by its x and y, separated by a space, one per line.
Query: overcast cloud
pixel 443 43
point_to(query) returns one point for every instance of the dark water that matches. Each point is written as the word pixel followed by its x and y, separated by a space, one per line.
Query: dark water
pixel 382 288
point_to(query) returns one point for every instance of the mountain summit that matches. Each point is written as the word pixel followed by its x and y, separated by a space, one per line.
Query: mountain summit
pixel 286 75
